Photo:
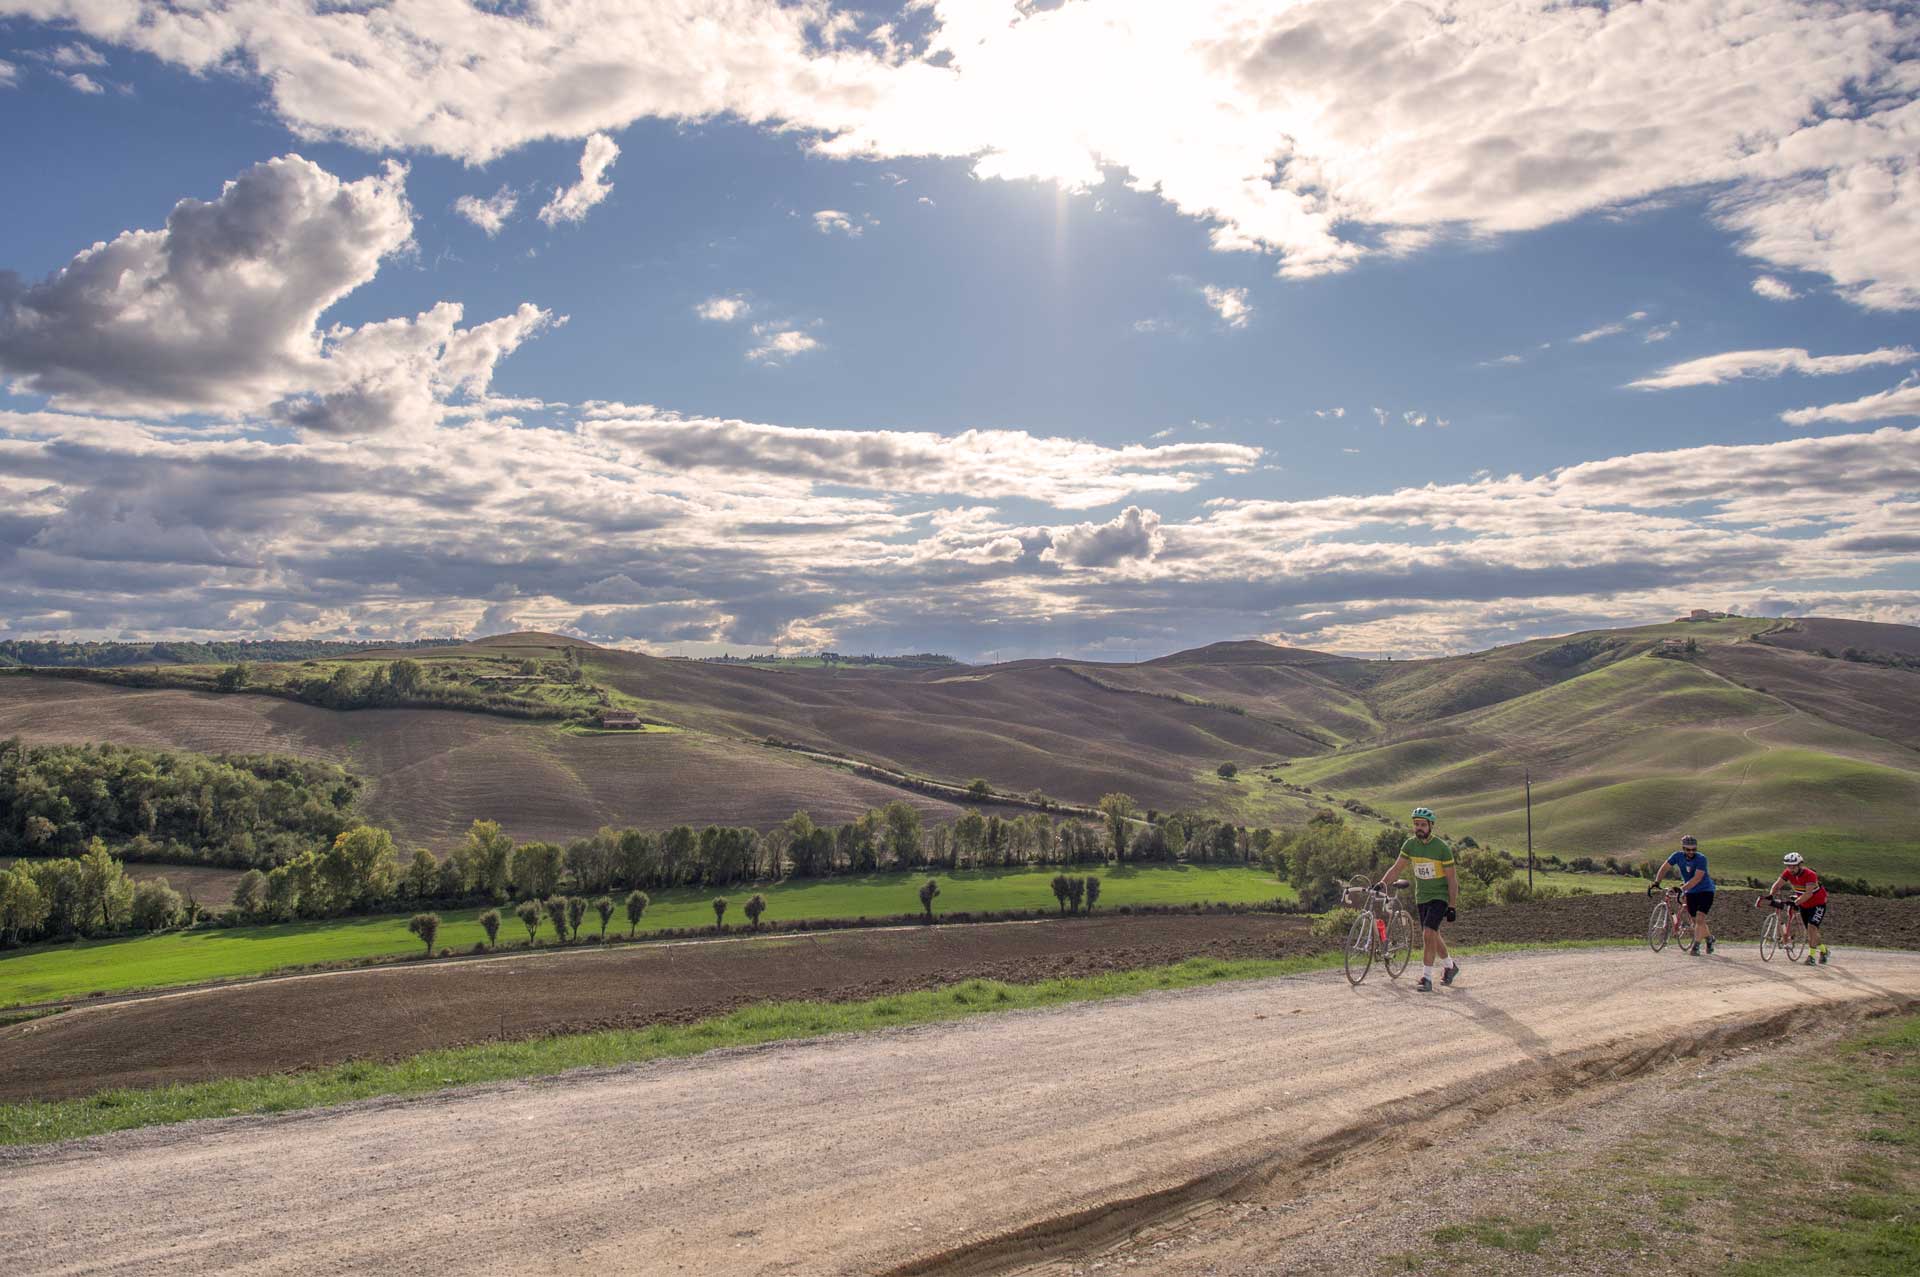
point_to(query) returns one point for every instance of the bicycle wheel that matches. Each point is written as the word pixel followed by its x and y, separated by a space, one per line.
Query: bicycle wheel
pixel 1399 942
pixel 1795 939
pixel 1360 947
pixel 1683 928
pixel 1769 937
pixel 1657 928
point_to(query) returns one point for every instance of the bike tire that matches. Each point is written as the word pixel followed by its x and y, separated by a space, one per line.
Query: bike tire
pixel 1769 938
pixel 1399 942
pixel 1360 948
pixel 1795 941
pixel 1683 929
pixel 1657 928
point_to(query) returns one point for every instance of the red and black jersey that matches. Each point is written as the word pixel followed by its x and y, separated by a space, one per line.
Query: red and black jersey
pixel 1801 878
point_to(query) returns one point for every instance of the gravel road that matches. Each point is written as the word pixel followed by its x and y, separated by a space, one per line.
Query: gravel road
pixel 861 1154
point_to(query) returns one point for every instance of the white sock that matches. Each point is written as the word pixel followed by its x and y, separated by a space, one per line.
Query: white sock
pixel 1449 964
pixel 1427 967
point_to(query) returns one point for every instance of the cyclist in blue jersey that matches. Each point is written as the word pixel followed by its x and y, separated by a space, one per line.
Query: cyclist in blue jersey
pixel 1696 888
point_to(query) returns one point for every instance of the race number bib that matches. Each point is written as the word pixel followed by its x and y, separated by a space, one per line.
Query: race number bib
pixel 1425 869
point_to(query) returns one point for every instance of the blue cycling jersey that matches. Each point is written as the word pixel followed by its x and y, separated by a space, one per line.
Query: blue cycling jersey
pixel 1688 866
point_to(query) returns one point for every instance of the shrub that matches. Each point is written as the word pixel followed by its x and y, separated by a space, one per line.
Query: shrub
pixel 1514 890
pixel 604 907
pixel 1546 891
pixel 719 911
pixel 528 912
pixel 1322 857
pixel 1076 892
pixel 250 893
pixel 1474 895
pixel 1226 771
pixel 576 914
pixel 155 905
pixel 556 909
pixel 755 906
pixel 1093 892
pixel 928 890
pixel 1333 924
pixel 490 923
pixel 637 902
pixel 979 790
pixel 1060 891
pixel 1582 865
pixel 1486 866
pixel 427 927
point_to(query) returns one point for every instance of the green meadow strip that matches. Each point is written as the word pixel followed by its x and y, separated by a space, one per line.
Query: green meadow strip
pixel 119 1110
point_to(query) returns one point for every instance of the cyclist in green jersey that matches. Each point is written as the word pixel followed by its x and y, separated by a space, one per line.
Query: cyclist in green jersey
pixel 1436 894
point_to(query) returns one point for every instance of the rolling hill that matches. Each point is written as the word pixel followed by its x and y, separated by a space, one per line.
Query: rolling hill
pixel 1751 739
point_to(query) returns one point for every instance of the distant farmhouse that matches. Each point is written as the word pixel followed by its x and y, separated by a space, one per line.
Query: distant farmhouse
pixel 620 718
pixel 1701 614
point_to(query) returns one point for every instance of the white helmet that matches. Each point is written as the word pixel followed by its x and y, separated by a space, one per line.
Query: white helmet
pixel 1790 859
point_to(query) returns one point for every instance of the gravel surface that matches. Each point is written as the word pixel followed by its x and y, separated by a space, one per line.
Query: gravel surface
pixel 860 1153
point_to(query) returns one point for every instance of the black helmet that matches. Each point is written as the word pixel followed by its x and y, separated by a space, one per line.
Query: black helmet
pixel 1689 842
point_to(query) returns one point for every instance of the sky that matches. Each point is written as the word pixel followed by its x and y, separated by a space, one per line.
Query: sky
pixel 998 328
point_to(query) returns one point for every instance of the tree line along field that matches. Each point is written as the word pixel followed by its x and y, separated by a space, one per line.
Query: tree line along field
pixel 1765 736
pixel 53 972
pixel 50 972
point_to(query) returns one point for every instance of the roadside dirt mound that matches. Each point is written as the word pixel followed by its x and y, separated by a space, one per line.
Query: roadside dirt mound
pixel 386 1013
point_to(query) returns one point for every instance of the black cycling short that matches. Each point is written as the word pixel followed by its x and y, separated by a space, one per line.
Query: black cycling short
pixel 1432 914
pixel 1698 902
pixel 1812 915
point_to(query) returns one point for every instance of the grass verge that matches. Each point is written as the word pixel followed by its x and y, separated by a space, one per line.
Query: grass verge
pixel 1804 1160
pixel 120 1110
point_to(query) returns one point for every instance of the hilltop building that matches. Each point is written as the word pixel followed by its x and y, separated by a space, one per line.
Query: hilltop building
pixel 619 718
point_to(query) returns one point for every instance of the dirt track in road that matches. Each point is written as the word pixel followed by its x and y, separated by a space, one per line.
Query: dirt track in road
pixel 912 1147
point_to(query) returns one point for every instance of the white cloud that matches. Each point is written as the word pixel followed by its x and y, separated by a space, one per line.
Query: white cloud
pixel 1335 413
pixel 1774 290
pixel 1069 474
pixel 1324 131
pixel 488 214
pixel 1712 370
pixel 829 220
pixel 924 200
pixel 573 203
pixel 1902 401
pixel 779 345
pixel 218 313
pixel 1604 330
pixel 1503 361
pixel 77 55
pixel 82 82
pixel 1228 303
pixel 1380 415
pixel 1132 534
pixel 723 310
pixel 1660 332
pixel 9 74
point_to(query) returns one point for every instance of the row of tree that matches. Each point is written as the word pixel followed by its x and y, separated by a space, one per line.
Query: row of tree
pixel 88 895
pixel 164 805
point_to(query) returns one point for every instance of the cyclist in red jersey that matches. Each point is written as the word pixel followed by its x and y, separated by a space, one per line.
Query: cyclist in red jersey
pixel 1810 898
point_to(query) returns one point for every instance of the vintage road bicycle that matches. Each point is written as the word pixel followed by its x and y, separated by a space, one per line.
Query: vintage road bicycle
pixel 1669 919
pixel 1783 929
pixel 1383 931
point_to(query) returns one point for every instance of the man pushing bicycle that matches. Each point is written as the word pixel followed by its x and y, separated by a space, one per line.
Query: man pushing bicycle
pixel 1436 894
pixel 1810 898
pixel 1696 889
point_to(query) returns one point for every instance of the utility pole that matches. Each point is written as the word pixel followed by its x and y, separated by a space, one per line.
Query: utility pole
pixel 1528 775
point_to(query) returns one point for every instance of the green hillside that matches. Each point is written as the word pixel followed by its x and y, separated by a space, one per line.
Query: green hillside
pixel 1758 735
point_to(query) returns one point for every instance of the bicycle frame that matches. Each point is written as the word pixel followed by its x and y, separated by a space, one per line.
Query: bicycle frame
pixel 1382 930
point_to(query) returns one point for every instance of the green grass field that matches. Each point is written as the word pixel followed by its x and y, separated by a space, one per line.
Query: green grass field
pixel 47 972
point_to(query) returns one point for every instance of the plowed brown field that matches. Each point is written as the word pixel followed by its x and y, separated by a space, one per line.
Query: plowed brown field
pixel 431 773
pixel 307 1021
